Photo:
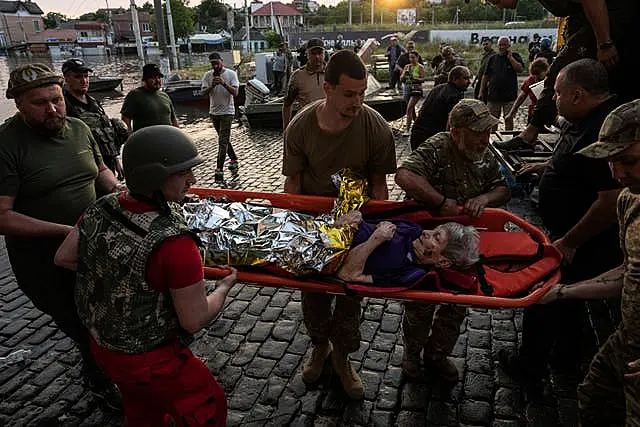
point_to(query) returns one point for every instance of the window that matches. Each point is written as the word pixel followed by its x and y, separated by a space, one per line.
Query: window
pixel 146 27
pixel 36 26
pixel 84 34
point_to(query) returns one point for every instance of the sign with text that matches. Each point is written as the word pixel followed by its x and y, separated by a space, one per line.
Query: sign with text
pixel 406 17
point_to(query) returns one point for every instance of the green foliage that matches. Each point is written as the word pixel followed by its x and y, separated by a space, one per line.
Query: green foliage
pixel 182 16
pixel 273 39
pixel 54 19
pixel 212 14
pixel 147 7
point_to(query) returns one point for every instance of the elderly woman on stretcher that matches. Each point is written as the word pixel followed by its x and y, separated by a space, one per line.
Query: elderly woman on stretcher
pixel 401 252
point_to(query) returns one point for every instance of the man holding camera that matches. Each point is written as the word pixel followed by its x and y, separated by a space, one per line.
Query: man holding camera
pixel 221 85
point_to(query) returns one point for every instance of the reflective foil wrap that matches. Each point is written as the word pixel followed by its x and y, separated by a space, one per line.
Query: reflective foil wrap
pixel 242 234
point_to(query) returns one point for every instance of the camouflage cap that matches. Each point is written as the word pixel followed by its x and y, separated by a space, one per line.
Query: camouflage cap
pixel 472 114
pixel 619 131
pixel 31 76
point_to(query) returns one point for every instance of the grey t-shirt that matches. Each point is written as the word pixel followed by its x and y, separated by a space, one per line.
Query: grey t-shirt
pixel 220 100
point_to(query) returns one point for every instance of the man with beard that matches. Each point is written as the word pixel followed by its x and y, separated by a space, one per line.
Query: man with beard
pixel 306 84
pixel 147 105
pixel 609 393
pixel 449 60
pixel 598 29
pixel 450 169
pixel 221 85
pixel 435 109
pixel 489 51
pixel 577 206
pixel 329 135
pixel 50 168
pixel 88 109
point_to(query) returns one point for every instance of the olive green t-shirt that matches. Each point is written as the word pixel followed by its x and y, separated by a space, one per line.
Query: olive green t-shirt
pixel 629 220
pixel 366 146
pixel 51 178
pixel 452 174
pixel 147 108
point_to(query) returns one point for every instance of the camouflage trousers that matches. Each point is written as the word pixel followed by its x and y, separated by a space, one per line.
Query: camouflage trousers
pixel 419 320
pixel 605 397
pixel 340 326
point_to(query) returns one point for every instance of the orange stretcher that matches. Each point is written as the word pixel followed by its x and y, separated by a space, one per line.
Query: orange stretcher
pixel 545 272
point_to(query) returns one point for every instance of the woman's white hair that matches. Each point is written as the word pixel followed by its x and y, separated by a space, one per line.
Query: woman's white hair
pixel 463 246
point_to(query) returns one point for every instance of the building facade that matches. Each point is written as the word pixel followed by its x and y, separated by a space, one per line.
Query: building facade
pixel 20 22
pixel 123 27
pixel 272 13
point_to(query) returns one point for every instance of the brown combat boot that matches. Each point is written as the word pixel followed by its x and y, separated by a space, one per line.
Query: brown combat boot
pixel 312 371
pixel 348 377
pixel 442 366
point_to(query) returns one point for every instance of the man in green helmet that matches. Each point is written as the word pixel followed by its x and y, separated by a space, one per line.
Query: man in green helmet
pixel 141 313
pixel 50 169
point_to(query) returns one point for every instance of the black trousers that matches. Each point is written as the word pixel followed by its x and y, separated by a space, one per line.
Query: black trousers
pixel 556 331
pixel 51 290
pixel 420 134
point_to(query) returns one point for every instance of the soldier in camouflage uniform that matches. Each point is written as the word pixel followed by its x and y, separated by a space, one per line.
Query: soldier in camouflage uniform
pixel 604 30
pixel 88 109
pixel 449 60
pixel 610 394
pixel 140 288
pixel 450 169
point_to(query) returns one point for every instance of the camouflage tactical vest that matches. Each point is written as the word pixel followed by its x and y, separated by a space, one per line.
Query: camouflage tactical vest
pixel 114 301
pixel 100 125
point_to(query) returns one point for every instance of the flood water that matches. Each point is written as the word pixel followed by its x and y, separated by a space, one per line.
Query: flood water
pixel 192 119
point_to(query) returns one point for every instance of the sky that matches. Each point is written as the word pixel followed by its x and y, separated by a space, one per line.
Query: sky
pixel 75 8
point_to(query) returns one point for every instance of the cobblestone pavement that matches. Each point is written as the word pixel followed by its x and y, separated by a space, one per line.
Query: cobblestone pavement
pixel 257 346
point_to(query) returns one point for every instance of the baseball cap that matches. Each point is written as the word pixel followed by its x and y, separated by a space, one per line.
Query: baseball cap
pixel 314 44
pixel 151 70
pixel 619 131
pixel 215 56
pixel 75 65
pixel 472 114
pixel 29 77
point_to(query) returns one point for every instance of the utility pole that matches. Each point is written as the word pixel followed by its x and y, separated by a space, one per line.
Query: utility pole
pixel 172 37
pixel 350 1
pixel 111 32
pixel 136 30
pixel 372 4
pixel 246 26
pixel 162 39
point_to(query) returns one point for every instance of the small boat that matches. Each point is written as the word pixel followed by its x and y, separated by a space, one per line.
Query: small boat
pixel 189 92
pixel 390 105
pixel 104 84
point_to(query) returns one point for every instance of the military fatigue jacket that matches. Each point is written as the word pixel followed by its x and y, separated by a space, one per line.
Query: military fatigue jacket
pixel 452 174
pixel 629 221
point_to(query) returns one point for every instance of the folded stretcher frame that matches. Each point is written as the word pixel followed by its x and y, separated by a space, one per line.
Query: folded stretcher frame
pixel 492 220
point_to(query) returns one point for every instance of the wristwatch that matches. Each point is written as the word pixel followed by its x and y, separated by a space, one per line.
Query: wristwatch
pixel 606 45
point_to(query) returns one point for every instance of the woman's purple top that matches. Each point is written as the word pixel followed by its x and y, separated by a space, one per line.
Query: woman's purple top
pixel 393 262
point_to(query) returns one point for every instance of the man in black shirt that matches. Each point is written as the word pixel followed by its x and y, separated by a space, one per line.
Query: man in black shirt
pixel 601 29
pixel 89 110
pixel 489 51
pixel 438 104
pixel 499 85
pixel 403 61
pixel 578 206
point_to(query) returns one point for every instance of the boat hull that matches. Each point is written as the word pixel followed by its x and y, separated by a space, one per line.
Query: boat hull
pixel 269 115
pixel 104 84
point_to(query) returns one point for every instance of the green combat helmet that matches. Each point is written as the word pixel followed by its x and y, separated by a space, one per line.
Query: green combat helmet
pixel 153 153
pixel 31 76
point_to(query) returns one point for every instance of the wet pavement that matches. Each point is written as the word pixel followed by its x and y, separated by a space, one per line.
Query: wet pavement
pixel 257 346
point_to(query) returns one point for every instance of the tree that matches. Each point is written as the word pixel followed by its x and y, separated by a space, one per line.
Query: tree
pixel 273 39
pixel 182 16
pixel 54 19
pixel 147 7
pixel 212 14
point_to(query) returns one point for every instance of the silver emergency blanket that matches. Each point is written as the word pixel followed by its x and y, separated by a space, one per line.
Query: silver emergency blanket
pixel 249 234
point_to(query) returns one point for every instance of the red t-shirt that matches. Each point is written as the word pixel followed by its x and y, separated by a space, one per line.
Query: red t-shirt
pixel 527 89
pixel 176 263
